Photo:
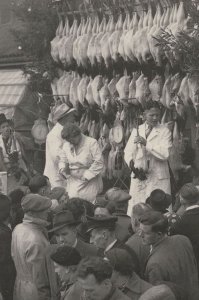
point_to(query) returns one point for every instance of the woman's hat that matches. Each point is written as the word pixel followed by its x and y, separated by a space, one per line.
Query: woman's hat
pixel 66 256
pixel 3 119
pixel 62 219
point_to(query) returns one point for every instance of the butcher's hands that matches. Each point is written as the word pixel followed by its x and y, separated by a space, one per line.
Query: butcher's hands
pixel 140 140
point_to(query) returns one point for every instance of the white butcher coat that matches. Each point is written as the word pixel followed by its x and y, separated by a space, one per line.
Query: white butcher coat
pixel 157 150
pixel 54 143
pixel 86 161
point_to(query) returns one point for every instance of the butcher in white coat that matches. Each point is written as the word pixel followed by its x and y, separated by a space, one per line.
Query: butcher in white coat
pixel 155 141
pixel 54 142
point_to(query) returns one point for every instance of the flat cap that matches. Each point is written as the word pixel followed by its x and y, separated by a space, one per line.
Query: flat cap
pixel 189 192
pixel 101 221
pixel 35 202
pixel 152 217
pixel 117 195
pixel 66 256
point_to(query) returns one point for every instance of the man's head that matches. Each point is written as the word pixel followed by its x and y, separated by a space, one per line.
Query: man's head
pixel 94 275
pixel 153 227
pixel 36 206
pixel 189 195
pixel 71 133
pixel 65 228
pixel 5 206
pixel 122 264
pixel 63 114
pixel 137 211
pixel 152 114
pixel 102 230
pixel 39 184
pixel 5 128
pixel 66 260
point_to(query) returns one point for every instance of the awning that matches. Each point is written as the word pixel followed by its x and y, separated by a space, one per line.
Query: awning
pixel 12 88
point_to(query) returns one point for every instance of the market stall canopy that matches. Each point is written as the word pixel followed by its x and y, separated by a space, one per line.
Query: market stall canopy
pixel 13 84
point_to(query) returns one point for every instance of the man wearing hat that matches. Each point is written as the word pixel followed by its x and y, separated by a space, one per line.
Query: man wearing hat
pixel 171 258
pixel 62 115
pixel 119 200
pixel 103 235
pixel 65 229
pixel 188 224
pixel 29 241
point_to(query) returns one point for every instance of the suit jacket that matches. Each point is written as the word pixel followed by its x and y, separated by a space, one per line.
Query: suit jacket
pixel 188 225
pixel 7 268
pixel 173 260
pixel 123 226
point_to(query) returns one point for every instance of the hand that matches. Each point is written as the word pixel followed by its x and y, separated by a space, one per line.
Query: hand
pixel 140 140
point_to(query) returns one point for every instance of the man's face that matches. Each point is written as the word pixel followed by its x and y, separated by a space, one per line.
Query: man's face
pixel 94 290
pixel 5 130
pixel 152 117
pixel 148 236
pixel 98 238
pixel 66 274
pixel 66 236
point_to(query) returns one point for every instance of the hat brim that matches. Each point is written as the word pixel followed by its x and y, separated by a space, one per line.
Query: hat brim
pixel 66 113
pixel 56 228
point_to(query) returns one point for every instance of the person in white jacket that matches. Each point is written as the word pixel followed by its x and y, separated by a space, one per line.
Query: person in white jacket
pixel 81 162
pixel 54 142
pixel 154 143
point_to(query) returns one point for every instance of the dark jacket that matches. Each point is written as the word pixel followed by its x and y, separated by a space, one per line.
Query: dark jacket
pixel 7 268
pixel 173 260
pixel 188 225
pixel 123 226
pixel 47 283
pixel 135 287
pixel 142 251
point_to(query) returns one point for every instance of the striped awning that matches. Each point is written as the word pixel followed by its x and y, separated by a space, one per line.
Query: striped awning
pixel 12 88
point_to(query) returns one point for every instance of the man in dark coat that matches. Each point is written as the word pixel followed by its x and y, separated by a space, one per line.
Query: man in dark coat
pixel 94 276
pixel 188 224
pixel 171 258
pixel 7 268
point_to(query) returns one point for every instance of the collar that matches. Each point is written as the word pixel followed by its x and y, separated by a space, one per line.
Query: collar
pixel 192 207
pixel 132 284
pixel 109 247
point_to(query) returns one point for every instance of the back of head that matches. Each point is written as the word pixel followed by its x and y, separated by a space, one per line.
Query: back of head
pixel 66 256
pixel 37 182
pixel 4 207
pixel 159 292
pixel 159 200
pixel 16 197
pixel 189 194
pixel 137 211
pixel 121 261
pixel 96 266
pixel 79 207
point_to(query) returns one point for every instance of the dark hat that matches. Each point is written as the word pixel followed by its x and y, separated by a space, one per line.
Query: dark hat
pixel 4 207
pixel 117 195
pixel 66 256
pixel 101 221
pixel 62 219
pixel 190 193
pixel 35 203
pixel 152 217
pixel 159 200
pixel 3 119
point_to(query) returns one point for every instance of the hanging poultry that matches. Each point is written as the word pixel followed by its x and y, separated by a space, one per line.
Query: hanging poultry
pixel 61 43
pixel 114 39
pixel 155 87
pixel 143 93
pixel 54 42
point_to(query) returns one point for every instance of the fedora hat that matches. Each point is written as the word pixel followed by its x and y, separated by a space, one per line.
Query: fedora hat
pixel 159 200
pixel 60 111
pixel 62 219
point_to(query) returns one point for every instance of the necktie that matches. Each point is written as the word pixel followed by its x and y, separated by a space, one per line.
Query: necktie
pixel 148 131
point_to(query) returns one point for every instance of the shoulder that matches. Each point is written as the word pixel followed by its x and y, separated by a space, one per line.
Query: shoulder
pixel 164 129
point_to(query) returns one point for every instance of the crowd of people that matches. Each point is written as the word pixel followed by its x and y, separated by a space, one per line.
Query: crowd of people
pixel 61 238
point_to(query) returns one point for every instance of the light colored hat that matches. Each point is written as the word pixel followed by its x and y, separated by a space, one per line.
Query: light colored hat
pixel 35 203
pixel 60 111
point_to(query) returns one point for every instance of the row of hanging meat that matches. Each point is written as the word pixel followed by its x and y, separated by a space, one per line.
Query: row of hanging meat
pixel 132 37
